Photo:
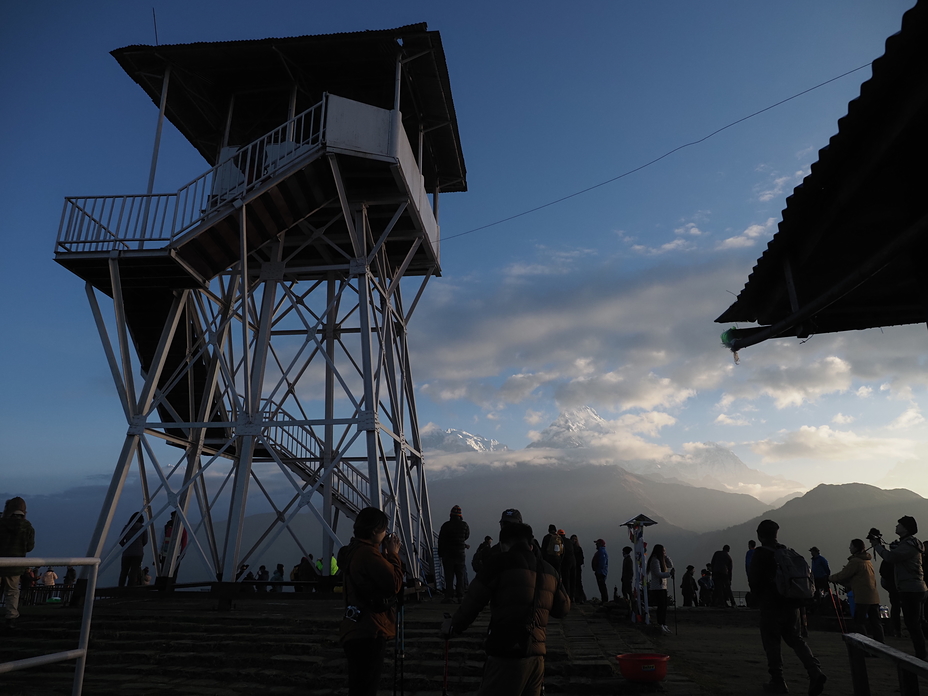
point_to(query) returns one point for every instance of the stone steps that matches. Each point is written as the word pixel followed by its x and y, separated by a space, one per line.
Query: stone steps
pixel 188 647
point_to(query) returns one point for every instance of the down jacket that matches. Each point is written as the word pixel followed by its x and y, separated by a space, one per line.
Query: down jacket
pixel 17 538
pixel 371 579
pixel 507 584
pixel 907 563
pixel 858 575
pixel 452 538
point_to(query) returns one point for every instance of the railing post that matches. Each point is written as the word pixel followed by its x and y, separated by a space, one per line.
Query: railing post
pixel 908 682
pixel 859 679
pixel 85 631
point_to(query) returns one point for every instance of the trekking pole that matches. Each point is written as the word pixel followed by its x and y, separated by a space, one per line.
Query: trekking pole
pixel 396 652
pixel 673 581
pixel 838 610
pixel 401 634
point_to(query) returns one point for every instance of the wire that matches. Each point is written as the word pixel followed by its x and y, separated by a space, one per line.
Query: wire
pixel 654 161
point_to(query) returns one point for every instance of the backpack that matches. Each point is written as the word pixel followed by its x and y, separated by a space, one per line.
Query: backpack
pixel 553 546
pixel 793 577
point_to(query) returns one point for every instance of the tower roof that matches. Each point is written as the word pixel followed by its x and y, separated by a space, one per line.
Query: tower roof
pixel 258 75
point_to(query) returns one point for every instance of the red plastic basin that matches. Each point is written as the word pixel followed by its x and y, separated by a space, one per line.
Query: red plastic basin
pixel 643 667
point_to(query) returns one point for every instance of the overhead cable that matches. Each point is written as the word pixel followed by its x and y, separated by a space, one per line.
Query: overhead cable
pixel 654 161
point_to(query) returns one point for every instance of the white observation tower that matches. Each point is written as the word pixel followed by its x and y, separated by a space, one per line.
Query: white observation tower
pixel 258 332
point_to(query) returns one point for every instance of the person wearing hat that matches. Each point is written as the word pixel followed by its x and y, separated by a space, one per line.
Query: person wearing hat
pixel 910 582
pixel 17 538
pixel 600 566
pixel 516 584
pixel 452 544
pixel 820 571
pixel 689 586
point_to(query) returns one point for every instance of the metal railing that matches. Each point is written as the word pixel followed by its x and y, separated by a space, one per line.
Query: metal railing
pixel 106 223
pixel 80 654
pixel 908 668
pixel 350 485
pixel 109 223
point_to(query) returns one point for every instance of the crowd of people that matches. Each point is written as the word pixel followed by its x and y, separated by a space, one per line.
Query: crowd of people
pixel 525 582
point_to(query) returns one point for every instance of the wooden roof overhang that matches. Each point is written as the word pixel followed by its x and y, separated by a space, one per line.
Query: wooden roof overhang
pixel 851 250
pixel 259 76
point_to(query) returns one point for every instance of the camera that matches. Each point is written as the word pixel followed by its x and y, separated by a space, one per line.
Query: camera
pixel 352 613
pixel 874 535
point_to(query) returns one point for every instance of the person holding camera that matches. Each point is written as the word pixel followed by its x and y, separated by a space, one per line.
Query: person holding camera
pixel 373 578
pixel 859 576
pixel 907 572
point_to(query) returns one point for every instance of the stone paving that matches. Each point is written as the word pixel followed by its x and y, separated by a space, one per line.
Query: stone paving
pixel 276 645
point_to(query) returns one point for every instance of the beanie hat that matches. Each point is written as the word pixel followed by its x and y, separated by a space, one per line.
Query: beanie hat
pixel 456 511
pixel 552 529
pixel 14 506
pixel 909 523
pixel 561 532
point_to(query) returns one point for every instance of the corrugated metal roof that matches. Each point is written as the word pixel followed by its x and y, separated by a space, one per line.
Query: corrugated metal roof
pixel 259 73
pixel 849 231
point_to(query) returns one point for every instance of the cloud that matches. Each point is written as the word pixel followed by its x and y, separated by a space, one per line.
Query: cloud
pixel 823 443
pixel 751 234
pixel 619 446
pixel 689 228
pixel 841 419
pixel 549 262
pixel 679 244
pixel 722 419
pixel 776 187
pixel 602 337
pixel 623 390
pixel 534 417
pixel 910 417
pixel 791 379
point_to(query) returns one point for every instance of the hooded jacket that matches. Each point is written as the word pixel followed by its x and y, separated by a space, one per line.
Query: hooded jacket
pixel 17 538
pixel 452 537
pixel 907 564
pixel 372 578
pixel 508 584
pixel 858 574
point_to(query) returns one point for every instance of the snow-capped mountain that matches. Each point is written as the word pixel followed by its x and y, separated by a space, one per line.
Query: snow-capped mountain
pixel 455 441
pixel 708 464
pixel 573 428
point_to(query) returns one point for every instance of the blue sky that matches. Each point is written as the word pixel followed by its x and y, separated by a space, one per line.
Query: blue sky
pixel 607 299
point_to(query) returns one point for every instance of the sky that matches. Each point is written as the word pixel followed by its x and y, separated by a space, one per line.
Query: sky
pixel 606 299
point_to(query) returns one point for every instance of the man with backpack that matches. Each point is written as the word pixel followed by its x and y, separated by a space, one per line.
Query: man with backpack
pixel 781 581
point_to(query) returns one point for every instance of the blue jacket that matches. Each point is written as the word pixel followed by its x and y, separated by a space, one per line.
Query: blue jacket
pixel 820 567
pixel 600 562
